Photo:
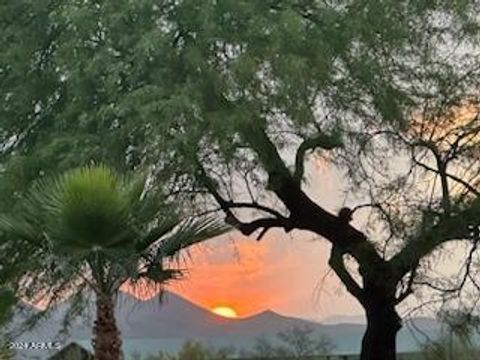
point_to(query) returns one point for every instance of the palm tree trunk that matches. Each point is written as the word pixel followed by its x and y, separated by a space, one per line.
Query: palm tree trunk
pixel 107 343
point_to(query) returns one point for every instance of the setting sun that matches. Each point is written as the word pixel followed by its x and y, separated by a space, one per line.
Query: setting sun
pixel 225 311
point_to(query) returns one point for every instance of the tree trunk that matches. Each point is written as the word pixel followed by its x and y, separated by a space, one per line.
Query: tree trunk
pixel 107 343
pixel 379 340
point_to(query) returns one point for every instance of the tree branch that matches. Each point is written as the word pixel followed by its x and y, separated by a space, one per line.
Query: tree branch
pixel 256 206
pixel 322 141
pixel 441 170
pixel 338 265
pixel 246 228
pixel 450 176
pixel 467 273
pixel 409 290
pixel 305 214
pixel 454 227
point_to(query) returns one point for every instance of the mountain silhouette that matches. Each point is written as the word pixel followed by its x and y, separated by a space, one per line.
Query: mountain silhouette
pixel 173 318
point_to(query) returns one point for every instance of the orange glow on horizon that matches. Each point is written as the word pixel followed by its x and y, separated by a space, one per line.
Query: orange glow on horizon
pixel 235 273
pixel 251 277
pixel 230 273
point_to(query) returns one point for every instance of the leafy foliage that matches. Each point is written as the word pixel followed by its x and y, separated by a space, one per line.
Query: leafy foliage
pixel 457 338
pixel 173 83
pixel 159 75
pixel 6 354
pixel 191 350
pixel 91 229
pixel 294 343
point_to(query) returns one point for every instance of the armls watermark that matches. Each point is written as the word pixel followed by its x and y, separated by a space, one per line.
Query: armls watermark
pixel 33 345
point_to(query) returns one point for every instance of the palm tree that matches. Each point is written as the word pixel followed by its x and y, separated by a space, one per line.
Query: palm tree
pixel 7 301
pixel 93 229
pixel 6 353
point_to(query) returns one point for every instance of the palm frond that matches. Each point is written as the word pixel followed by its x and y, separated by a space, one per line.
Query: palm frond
pixel 184 235
pixel 159 275
pixel 82 209
pixel 19 228
pixel 164 226
pixel 191 232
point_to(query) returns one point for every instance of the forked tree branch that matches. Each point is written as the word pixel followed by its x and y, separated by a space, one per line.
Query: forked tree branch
pixel 337 263
pixel 409 289
pixel 246 228
pixel 305 214
pixel 449 228
pixel 469 262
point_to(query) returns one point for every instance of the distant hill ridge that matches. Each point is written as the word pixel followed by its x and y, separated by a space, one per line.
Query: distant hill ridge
pixel 177 319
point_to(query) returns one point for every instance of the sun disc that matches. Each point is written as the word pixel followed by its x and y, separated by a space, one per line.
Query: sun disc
pixel 225 311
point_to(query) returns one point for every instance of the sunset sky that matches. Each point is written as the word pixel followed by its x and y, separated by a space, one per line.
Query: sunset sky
pixel 285 273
